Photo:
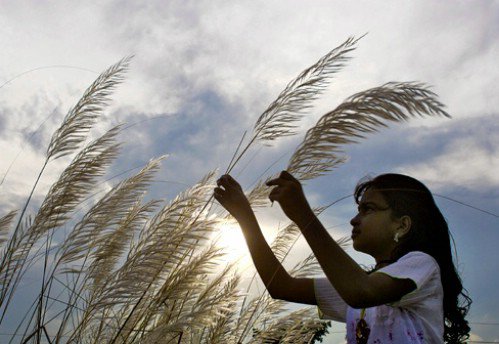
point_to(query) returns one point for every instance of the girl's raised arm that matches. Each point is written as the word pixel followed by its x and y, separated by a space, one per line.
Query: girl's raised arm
pixel 276 279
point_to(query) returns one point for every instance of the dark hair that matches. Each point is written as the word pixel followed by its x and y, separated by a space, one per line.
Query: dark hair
pixel 430 234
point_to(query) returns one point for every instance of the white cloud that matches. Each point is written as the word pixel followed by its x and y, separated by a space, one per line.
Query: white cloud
pixel 247 51
pixel 465 163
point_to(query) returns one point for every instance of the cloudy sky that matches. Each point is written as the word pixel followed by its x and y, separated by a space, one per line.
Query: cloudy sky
pixel 203 71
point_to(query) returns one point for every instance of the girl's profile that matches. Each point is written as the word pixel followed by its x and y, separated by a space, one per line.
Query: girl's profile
pixel 414 293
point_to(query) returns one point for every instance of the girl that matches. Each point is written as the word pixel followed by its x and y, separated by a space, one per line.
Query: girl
pixel 411 296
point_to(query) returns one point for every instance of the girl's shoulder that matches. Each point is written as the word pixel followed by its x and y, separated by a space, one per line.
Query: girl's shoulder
pixel 415 265
pixel 424 271
pixel 418 256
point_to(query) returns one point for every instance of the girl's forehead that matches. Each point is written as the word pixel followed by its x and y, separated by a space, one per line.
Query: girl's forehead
pixel 373 196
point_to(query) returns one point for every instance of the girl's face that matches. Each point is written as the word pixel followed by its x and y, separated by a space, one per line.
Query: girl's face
pixel 374 227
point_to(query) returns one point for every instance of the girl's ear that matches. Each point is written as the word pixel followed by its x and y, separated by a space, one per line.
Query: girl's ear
pixel 404 226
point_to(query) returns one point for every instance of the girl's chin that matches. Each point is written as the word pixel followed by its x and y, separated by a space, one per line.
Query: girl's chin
pixel 357 246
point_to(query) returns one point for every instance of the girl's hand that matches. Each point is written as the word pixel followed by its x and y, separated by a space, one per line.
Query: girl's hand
pixel 231 196
pixel 289 194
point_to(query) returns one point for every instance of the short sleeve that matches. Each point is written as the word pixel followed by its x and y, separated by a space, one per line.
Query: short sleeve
pixel 419 267
pixel 331 305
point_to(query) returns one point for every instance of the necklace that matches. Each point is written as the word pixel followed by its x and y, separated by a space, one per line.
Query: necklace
pixel 362 330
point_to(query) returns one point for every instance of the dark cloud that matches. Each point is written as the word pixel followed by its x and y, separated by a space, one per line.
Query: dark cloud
pixel 198 138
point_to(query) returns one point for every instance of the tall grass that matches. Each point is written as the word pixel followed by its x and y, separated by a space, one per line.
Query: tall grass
pixel 135 271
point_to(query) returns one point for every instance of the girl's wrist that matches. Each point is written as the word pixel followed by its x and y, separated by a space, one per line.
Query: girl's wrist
pixel 305 219
pixel 245 215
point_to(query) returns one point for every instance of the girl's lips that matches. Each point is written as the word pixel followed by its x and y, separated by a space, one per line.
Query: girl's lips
pixel 355 233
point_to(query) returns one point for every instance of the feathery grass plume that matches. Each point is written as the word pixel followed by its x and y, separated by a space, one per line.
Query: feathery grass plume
pixel 112 246
pixel 364 112
pixel 5 222
pixel 205 302
pixel 78 253
pixel 14 254
pixel 296 327
pixel 309 266
pixel 159 252
pixel 107 213
pixel 211 312
pixel 212 296
pixel 174 228
pixel 224 323
pixel 75 182
pixel 65 140
pixel 259 195
pixel 280 117
pixel 156 312
pixel 284 240
pixel 80 119
pixel 257 312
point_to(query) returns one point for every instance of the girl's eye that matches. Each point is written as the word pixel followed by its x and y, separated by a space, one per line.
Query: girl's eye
pixel 365 209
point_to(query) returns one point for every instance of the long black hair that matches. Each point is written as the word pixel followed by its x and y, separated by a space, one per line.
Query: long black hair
pixel 430 234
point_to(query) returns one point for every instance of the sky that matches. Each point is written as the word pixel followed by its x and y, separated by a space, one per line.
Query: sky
pixel 203 71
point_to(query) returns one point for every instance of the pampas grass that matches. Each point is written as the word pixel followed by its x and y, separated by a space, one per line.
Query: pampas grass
pixel 280 117
pixel 362 113
pixel 135 271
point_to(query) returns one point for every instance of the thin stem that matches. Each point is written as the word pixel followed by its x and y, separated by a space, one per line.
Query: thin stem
pixel 229 169
pixel 10 251
pixel 237 150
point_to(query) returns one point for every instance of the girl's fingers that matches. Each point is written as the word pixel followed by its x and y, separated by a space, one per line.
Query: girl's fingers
pixel 284 178
pixel 275 195
pixel 218 193
pixel 287 176
pixel 277 181
pixel 272 197
pixel 223 180
pixel 227 181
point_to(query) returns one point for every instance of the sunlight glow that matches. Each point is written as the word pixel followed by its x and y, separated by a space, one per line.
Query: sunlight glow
pixel 231 240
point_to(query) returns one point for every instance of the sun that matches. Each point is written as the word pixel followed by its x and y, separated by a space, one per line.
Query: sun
pixel 231 240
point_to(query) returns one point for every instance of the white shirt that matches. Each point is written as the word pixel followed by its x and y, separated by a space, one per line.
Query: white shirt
pixel 416 318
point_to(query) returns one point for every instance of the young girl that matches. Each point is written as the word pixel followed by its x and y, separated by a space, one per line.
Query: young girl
pixel 411 296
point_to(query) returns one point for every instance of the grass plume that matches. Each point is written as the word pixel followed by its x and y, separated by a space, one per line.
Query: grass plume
pixel 360 114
